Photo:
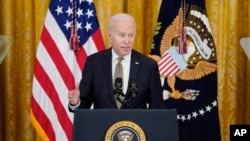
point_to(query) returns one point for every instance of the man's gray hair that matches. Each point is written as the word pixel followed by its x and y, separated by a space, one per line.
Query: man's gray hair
pixel 119 17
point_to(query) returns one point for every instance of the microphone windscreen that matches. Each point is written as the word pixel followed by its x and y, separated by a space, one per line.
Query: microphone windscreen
pixel 132 84
pixel 118 83
pixel 118 80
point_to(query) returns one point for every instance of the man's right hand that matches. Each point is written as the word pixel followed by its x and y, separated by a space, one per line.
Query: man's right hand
pixel 74 96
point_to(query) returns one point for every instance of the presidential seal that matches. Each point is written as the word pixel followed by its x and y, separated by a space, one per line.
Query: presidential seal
pixel 125 131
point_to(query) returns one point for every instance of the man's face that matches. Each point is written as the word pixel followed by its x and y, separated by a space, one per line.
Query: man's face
pixel 122 37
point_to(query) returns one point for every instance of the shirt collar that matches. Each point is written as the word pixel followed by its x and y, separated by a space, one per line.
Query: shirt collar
pixel 115 56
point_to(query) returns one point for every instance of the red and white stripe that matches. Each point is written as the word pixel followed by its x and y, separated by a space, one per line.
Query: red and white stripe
pixel 167 65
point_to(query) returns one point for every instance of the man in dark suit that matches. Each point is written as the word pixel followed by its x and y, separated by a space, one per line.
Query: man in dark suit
pixel 140 80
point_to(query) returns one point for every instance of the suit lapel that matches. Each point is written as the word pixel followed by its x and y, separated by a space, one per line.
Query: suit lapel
pixel 107 68
pixel 135 66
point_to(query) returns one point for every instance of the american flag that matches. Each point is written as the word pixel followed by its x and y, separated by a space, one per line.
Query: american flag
pixel 58 65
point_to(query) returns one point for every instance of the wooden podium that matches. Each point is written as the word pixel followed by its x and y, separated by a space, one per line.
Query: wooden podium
pixel 125 125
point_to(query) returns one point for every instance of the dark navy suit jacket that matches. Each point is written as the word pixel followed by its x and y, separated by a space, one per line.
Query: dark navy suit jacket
pixel 96 85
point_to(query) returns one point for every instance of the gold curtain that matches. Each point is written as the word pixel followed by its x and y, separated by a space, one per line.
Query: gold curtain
pixel 23 20
pixel 230 21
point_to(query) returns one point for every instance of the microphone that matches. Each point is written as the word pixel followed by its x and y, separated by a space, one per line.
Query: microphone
pixel 132 91
pixel 119 95
pixel 118 84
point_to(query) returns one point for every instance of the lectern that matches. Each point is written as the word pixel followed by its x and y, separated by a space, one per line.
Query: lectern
pixel 125 125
